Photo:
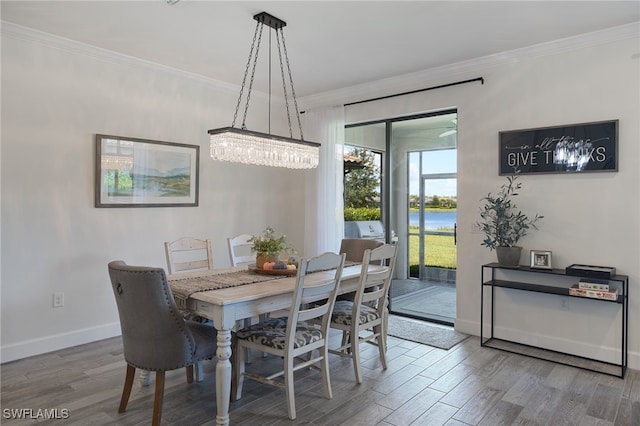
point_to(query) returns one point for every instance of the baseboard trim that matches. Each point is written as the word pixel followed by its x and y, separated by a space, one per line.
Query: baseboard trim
pixel 473 328
pixel 467 327
pixel 560 344
pixel 56 342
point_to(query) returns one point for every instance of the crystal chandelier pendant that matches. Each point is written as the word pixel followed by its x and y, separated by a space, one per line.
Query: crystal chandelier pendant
pixel 248 147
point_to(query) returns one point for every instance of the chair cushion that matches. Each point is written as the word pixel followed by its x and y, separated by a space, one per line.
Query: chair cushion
pixel 343 312
pixel 205 337
pixel 273 332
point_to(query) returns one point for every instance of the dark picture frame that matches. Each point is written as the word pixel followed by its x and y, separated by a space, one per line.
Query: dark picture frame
pixel 541 259
pixel 584 147
pixel 132 172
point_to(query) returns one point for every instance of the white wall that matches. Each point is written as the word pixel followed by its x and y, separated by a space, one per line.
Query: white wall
pixel 589 218
pixel 55 97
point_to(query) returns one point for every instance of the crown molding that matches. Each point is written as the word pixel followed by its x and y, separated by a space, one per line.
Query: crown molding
pixel 19 32
pixel 348 94
pixel 472 67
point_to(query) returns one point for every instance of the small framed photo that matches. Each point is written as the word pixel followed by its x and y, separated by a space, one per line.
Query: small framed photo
pixel 540 259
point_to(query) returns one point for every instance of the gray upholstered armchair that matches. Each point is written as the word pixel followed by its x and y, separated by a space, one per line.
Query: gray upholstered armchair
pixel 354 247
pixel 155 336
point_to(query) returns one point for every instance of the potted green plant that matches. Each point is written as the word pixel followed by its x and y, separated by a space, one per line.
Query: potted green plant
pixel 268 246
pixel 504 224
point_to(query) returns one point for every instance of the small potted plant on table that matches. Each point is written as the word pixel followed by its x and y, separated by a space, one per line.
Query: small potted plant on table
pixel 503 224
pixel 268 247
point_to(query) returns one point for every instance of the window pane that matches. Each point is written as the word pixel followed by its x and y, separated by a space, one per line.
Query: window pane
pixel 440 161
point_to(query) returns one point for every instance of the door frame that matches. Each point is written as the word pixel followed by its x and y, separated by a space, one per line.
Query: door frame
pixel 422 273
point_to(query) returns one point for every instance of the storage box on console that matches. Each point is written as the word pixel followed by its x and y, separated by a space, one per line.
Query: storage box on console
pixel 590 271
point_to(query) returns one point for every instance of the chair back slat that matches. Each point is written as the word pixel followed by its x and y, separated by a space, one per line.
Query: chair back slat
pixel 190 265
pixel 369 296
pixel 316 311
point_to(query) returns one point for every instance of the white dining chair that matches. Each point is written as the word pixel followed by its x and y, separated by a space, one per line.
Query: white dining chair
pixel 240 254
pixel 188 254
pixel 294 336
pixel 240 250
pixel 365 318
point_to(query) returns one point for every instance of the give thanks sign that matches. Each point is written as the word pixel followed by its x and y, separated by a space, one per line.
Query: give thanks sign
pixel 588 147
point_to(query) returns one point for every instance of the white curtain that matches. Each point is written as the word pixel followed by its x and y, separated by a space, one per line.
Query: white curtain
pixel 324 225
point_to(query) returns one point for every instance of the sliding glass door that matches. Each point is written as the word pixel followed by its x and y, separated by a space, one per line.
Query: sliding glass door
pixel 418 200
pixel 430 291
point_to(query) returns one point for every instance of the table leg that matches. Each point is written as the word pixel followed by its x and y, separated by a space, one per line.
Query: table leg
pixel 223 376
pixel 145 378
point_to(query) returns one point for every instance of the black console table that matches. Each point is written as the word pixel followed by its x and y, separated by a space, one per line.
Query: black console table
pixel 490 282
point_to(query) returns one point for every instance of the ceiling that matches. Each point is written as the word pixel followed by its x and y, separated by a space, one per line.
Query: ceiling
pixel 331 45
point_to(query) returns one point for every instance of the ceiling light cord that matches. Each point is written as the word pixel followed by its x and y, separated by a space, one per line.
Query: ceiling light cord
pixel 284 84
pixel 282 52
pixel 293 91
pixel 246 73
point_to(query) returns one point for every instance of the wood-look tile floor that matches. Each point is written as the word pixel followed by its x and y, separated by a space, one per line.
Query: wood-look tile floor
pixel 466 385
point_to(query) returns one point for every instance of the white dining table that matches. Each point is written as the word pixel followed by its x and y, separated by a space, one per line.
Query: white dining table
pixel 225 306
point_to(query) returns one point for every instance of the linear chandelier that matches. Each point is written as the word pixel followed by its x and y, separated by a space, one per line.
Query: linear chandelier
pixel 240 145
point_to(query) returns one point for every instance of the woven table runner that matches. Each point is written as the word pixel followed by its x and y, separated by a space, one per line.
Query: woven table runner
pixel 182 288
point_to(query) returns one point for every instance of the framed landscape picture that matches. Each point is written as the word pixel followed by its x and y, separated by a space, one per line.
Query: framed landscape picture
pixel 132 172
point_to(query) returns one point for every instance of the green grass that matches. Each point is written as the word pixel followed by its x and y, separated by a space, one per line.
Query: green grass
pixel 440 251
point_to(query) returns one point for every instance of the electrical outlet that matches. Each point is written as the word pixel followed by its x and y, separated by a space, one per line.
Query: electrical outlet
pixel 58 300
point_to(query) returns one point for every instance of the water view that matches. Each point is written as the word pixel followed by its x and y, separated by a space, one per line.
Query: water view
pixel 433 219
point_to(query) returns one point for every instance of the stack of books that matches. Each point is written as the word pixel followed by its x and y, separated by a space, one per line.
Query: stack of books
pixel 595 289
